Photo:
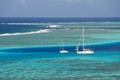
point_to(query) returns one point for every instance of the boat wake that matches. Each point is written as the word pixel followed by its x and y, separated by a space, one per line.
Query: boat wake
pixel 25 33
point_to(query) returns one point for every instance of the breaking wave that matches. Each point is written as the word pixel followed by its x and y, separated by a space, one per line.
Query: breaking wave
pixel 53 26
pixel 21 23
pixel 25 33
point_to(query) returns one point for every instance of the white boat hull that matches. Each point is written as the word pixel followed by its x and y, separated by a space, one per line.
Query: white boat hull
pixel 64 51
pixel 85 52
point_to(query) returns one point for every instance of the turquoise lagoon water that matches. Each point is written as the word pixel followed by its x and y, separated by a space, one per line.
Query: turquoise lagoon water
pixel 56 66
pixel 32 51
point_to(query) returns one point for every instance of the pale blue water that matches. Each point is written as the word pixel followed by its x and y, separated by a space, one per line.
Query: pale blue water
pixel 63 67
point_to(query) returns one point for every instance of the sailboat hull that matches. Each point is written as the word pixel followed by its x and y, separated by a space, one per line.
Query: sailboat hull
pixel 85 52
pixel 64 51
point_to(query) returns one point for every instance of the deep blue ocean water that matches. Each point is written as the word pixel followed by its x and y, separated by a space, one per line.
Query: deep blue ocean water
pixel 29 49
pixel 53 51
pixel 57 19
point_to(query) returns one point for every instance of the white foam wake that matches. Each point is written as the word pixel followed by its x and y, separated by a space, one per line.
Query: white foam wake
pixel 25 33
pixel 53 26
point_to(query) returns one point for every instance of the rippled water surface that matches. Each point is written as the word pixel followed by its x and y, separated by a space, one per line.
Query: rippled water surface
pixel 31 52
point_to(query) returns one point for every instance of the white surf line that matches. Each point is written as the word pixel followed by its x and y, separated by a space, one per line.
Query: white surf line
pixel 53 26
pixel 25 33
pixel 21 23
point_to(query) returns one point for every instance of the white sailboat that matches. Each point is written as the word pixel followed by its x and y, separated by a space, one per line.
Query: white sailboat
pixel 84 50
pixel 62 49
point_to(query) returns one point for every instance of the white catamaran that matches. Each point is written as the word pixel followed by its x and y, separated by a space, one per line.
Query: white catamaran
pixel 62 49
pixel 83 51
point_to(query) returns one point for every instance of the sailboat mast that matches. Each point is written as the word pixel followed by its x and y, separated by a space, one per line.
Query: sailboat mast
pixel 83 37
pixel 62 44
